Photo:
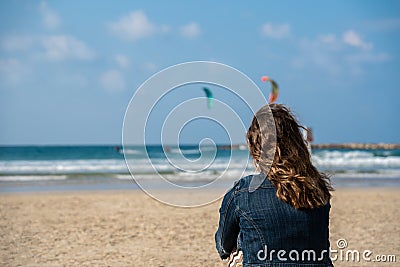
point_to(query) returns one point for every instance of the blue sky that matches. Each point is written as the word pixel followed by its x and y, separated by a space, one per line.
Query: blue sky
pixel 68 69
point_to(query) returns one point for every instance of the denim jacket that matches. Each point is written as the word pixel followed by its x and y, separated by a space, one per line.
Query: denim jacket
pixel 269 231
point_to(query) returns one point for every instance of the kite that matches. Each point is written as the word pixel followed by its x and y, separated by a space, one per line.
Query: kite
pixel 273 96
pixel 209 95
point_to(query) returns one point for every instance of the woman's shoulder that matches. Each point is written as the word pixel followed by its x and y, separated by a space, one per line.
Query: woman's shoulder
pixel 252 181
pixel 242 183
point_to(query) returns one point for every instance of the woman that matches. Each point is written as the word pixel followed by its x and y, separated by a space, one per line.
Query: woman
pixel 285 220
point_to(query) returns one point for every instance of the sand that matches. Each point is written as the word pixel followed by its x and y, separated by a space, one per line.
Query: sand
pixel 129 228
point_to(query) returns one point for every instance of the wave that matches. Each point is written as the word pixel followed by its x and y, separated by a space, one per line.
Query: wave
pixel 23 178
pixel 130 152
pixel 61 166
pixel 344 160
pixel 340 163
pixel 187 151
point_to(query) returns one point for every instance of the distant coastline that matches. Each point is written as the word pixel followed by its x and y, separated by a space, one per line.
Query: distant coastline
pixel 333 146
pixel 356 146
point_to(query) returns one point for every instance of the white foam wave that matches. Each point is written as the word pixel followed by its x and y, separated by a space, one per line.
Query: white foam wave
pixel 353 160
pixel 187 151
pixel 192 151
pixel 131 152
pixel 123 176
pixel 342 163
pixel 358 163
pixel 20 178
pixel 61 166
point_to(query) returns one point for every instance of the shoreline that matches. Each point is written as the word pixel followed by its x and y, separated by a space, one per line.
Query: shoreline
pixel 104 185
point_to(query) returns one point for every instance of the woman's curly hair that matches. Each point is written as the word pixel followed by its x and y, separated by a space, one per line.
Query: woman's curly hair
pixel 296 179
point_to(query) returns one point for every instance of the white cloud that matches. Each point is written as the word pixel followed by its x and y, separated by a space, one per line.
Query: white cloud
pixel 122 61
pixel 191 30
pixel 388 24
pixel 357 62
pixel 319 54
pixel 12 71
pixel 17 42
pixel 327 38
pixel 327 41
pixel 113 80
pixel 61 47
pixel 353 39
pixel 332 55
pixel 50 18
pixel 275 31
pixel 369 57
pixel 165 29
pixel 149 66
pixel 132 27
pixel 51 47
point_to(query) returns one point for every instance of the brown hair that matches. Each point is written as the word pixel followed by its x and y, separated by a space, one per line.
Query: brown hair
pixel 296 179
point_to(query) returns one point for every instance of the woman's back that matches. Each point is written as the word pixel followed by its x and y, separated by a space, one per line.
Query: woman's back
pixel 269 225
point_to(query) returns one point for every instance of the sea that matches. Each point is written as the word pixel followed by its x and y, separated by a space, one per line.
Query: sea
pixel 63 168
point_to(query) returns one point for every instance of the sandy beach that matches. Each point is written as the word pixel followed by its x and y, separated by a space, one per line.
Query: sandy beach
pixel 128 228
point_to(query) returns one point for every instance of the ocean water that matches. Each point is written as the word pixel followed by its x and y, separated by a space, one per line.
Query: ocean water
pixel 38 168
